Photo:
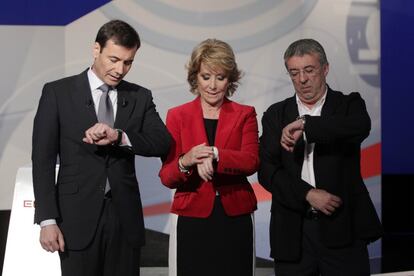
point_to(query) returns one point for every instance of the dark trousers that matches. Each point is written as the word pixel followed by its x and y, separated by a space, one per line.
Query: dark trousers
pixel 109 254
pixel 317 259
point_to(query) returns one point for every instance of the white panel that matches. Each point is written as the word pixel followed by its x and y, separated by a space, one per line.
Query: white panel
pixel 24 255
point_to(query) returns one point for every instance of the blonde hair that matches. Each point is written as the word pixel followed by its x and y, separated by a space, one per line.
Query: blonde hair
pixel 215 54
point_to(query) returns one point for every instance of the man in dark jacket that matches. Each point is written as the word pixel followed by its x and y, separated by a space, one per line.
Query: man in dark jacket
pixel 96 123
pixel 322 216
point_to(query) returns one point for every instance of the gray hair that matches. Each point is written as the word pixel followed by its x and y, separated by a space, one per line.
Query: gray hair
pixel 305 46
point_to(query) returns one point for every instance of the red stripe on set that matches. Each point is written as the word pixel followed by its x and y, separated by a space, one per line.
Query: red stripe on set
pixel 157 209
pixel 371 161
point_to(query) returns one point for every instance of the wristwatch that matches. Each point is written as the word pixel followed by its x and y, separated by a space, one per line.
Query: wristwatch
pixel 215 153
pixel 119 138
pixel 303 118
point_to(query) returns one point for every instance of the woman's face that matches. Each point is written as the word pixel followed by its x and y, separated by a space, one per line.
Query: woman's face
pixel 212 85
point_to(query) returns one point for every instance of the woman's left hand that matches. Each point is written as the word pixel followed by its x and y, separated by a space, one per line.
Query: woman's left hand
pixel 205 169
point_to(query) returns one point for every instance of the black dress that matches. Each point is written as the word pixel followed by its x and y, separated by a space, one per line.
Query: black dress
pixel 216 245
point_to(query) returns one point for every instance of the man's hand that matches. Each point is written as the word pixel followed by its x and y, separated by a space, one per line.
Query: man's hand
pixel 100 134
pixel 323 201
pixel 291 134
pixel 51 238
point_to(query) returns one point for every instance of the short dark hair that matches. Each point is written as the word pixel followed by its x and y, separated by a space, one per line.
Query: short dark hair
pixel 120 32
pixel 306 46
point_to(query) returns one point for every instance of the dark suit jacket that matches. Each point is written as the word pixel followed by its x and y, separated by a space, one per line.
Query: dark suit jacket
pixel 237 143
pixel 65 112
pixel 344 123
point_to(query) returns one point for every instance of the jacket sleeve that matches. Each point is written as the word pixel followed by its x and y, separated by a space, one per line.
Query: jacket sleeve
pixel 45 147
pixel 152 139
pixel 287 189
pixel 170 174
pixel 243 161
pixel 349 124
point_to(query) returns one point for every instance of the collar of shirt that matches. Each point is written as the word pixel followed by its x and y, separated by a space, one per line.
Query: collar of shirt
pixel 308 173
pixel 95 83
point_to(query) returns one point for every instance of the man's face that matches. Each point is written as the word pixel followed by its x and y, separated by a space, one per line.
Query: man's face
pixel 308 77
pixel 112 62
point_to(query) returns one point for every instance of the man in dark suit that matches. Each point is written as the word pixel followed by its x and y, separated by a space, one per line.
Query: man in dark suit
pixel 96 123
pixel 321 216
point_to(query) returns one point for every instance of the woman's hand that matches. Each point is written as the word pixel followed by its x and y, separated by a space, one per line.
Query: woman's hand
pixel 196 155
pixel 205 169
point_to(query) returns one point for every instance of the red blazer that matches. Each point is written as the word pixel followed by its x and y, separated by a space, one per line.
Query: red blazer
pixel 237 144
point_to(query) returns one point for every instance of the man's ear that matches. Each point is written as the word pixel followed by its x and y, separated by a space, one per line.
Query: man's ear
pixel 96 49
pixel 326 69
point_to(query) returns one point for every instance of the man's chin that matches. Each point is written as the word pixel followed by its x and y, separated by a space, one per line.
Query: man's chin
pixel 112 82
pixel 306 96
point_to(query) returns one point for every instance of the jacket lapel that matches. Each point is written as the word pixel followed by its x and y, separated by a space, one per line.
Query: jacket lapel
pixel 195 123
pixel 83 102
pixel 227 120
pixel 125 106
pixel 291 111
pixel 290 115
pixel 330 104
pixel 84 113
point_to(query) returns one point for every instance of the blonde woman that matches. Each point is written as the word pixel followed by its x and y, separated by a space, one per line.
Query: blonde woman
pixel 214 149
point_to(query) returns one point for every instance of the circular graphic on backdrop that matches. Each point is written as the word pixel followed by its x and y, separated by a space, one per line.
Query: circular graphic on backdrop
pixel 363 40
pixel 180 25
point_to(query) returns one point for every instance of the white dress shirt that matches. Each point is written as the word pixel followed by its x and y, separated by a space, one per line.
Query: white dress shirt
pixel 308 173
pixel 95 83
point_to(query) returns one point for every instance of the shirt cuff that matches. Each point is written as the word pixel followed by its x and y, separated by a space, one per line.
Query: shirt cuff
pixel 127 141
pixel 47 222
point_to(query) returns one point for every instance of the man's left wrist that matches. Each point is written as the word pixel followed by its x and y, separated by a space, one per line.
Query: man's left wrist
pixel 303 119
pixel 118 140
